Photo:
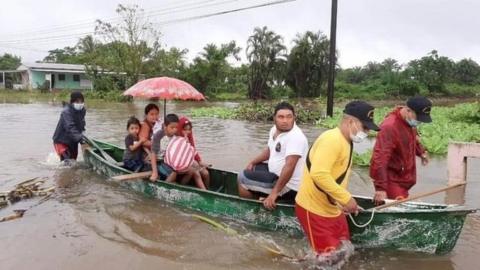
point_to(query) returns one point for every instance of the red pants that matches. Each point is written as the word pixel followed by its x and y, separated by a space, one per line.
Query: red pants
pixel 324 233
pixel 396 192
pixel 66 151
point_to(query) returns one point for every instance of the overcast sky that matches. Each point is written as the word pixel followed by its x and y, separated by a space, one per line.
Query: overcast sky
pixel 367 29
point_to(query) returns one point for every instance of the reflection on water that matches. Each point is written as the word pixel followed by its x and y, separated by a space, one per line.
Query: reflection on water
pixel 90 222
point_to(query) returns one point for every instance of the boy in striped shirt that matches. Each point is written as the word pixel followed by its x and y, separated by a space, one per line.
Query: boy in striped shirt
pixel 179 155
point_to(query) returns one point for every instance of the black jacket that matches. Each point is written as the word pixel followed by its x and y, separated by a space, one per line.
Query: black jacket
pixel 70 126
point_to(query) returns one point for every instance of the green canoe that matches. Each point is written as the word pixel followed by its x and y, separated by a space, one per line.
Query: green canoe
pixel 431 228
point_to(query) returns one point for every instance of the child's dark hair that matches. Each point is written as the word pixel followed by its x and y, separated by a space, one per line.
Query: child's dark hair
pixel 284 106
pixel 150 107
pixel 133 121
pixel 171 118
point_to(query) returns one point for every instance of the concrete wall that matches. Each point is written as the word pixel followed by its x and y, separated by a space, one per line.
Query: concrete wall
pixel 38 78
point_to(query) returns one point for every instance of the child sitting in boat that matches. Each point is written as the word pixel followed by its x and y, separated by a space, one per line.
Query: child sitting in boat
pixel 179 155
pixel 133 155
pixel 185 130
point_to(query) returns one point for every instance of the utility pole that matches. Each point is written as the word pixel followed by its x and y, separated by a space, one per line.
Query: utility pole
pixel 331 70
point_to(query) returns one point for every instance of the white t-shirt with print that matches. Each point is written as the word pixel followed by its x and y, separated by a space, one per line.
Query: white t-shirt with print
pixel 289 143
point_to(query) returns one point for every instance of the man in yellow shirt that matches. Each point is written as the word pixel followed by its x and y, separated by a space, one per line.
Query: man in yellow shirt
pixel 323 196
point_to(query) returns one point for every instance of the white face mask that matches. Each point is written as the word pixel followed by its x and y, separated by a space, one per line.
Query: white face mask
pixel 359 137
pixel 78 106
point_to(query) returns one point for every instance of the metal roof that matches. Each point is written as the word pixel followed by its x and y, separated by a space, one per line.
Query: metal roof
pixel 52 67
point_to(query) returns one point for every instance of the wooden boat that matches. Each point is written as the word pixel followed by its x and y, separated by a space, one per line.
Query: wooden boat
pixel 431 228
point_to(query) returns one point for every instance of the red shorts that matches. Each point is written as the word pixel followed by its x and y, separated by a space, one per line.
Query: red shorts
pixel 396 192
pixel 65 151
pixel 324 233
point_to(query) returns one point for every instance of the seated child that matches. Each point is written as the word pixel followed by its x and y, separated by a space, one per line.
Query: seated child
pixel 133 155
pixel 179 155
pixel 185 130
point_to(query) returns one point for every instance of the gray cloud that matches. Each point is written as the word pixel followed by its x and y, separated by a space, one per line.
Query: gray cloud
pixel 367 29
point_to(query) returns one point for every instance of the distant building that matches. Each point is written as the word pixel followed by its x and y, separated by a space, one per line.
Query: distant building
pixel 47 76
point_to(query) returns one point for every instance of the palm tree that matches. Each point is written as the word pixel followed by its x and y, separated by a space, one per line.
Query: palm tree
pixel 265 51
pixel 307 68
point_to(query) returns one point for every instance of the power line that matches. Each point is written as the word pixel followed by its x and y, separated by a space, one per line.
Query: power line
pixel 163 23
pixel 180 9
pixel 22 48
pixel 91 22
pixel 224 12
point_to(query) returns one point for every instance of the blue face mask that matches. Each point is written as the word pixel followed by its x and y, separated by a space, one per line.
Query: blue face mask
pixel 413 122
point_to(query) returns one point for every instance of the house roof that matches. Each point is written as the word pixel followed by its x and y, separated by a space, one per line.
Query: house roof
pixel 52 67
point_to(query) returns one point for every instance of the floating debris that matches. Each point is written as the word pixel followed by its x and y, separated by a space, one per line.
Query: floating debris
pixel 24 190
pixel 18 213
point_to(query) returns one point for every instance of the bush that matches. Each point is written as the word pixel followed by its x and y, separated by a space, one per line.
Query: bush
pixel 408 87
pixel 454 89
pixel 282 91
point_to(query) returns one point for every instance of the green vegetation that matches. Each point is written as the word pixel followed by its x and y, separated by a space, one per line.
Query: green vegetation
pixel 458 123
pixel 259 111
pixel 362 160
pixel 9 62
pixel 24 96
pixel 131 49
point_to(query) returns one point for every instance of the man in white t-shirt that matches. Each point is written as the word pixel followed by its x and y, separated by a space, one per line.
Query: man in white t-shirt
pixel 286 152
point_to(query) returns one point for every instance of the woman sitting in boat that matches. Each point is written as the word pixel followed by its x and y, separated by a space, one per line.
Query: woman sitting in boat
pixel 146 129
pixel 185 130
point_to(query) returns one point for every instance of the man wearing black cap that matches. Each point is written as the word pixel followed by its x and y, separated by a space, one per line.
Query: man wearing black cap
pixel 70 127
pixel 392 166
pixel 323 191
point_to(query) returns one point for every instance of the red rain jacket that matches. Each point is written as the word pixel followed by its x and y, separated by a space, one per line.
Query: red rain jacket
pixel 393 159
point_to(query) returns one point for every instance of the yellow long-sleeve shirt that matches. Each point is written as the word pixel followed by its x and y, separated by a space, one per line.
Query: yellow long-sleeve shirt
pixel 329 157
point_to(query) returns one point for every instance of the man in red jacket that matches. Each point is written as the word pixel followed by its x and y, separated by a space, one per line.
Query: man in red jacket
pixel 392 166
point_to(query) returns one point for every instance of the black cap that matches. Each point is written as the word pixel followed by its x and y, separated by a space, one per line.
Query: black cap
pixel 422 107
pixel 363 112
pixel 74 96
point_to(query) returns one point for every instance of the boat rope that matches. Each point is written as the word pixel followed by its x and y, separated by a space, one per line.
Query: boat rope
pixel 215 224
pixel 231 231
pixel 365 224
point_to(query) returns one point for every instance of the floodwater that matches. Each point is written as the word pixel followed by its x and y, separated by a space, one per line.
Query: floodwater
pixel 92 224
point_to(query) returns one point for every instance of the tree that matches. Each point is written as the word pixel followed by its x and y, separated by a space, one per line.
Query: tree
pixel 67 55
pixel 131 42
pixel 265 53
pixel 170 63
pixel 467 71
pixel 211 72
pixel 307 67
pixel 9 61
pixel 432 70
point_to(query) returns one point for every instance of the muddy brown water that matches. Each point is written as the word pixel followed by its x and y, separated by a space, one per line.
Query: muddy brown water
pixel 91 224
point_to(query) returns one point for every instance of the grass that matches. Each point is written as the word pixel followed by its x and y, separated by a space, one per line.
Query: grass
pixel 458 123
pixel 25 96
pixel 455 123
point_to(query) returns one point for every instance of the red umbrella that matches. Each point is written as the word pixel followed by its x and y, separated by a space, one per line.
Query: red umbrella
pixel 164 88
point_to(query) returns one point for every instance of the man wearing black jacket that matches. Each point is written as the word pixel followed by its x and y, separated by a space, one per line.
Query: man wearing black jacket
pixel 70 127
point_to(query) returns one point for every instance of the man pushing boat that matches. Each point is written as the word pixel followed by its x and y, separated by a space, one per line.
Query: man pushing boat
pixel 393 167
pixel 323 196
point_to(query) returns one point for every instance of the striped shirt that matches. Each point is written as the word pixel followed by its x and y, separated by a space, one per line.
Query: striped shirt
pixel 179 154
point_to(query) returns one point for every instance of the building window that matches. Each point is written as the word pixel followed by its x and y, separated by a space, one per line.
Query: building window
pixel 61 77
pixel 76 77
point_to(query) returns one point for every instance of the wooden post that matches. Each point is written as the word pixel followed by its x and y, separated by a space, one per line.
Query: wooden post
pixel 331 68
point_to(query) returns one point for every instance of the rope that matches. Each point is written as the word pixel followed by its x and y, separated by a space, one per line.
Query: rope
pixel 233 232
pixel 362 225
